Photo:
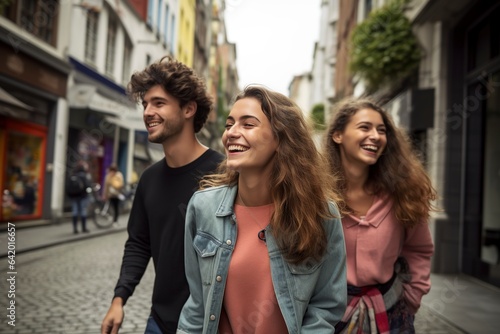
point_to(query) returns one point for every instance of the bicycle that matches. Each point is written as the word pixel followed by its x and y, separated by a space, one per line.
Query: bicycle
pixel 98 208
pixel 127 197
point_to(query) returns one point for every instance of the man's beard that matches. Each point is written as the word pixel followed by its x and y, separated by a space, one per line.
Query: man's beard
pixel 171 129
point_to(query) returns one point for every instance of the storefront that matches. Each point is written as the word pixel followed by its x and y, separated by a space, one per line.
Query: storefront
pixel 29 91
pixel 97 133
pixel 23 151
pixel 89 135
pixel 452 113
pixel 142 153
pixel 479 34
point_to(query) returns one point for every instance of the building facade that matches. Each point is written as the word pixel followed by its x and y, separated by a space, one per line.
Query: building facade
pixel 450 107
pixel 462 69
pixel 316 87
pixel 34 74
pixel 63 75
pixel 186 32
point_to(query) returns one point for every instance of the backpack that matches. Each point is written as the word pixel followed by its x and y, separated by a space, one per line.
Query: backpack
pixel 75 186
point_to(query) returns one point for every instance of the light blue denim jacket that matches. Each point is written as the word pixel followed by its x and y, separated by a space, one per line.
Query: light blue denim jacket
pixel 312 296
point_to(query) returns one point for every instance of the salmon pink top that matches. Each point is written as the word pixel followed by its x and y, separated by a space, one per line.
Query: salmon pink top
pixel 250 304
pixel 375 241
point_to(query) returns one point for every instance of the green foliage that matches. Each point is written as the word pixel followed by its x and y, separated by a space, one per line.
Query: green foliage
pixel 318 116
pixel 222 112
pixel 384 48
pixel 221 119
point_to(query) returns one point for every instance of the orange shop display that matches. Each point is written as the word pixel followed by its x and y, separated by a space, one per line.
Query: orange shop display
pixel 22 150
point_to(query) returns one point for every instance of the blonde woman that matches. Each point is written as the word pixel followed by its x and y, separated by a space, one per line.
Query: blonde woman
pixel 113 185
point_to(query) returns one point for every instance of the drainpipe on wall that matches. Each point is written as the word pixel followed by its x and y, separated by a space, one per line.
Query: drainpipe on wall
pixel 116 144
pixel 461 217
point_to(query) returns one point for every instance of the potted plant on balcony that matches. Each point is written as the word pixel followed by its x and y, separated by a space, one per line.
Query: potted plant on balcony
pixel 384 49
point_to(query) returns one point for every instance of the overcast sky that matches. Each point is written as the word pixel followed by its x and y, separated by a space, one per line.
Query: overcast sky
pixel 274 39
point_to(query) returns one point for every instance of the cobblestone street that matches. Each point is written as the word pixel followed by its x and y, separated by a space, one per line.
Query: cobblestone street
pixel 68 288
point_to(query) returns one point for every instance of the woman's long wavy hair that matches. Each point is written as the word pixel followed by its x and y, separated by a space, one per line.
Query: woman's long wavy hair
pixel 178 80
pixel 300 183
pixel 398 171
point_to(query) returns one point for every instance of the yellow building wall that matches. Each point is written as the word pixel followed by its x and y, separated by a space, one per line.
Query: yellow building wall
pixel 185 39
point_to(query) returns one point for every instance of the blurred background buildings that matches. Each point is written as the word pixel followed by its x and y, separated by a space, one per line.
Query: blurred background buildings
pixel 435 64
pixel 441 82
pixel 63 75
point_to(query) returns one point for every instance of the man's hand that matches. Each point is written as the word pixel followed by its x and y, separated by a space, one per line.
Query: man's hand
pixel 114 318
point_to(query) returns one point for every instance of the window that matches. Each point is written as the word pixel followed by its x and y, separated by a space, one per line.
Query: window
pixel 127 60
pixel 111 47
pixel 38 17
pixel 158 22
pixel 165 33
pixel 484 41
pixel 7 10
pixel 172 35
pixel 368 7
pixel 91 36
pixel 150 13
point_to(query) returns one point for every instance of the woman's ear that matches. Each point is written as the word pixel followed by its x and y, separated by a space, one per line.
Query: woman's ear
pixel 337 137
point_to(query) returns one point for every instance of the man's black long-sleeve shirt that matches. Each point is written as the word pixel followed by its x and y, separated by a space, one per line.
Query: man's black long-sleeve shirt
pixel 156 229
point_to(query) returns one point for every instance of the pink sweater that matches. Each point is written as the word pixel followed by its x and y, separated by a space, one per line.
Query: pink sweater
pixel 374 243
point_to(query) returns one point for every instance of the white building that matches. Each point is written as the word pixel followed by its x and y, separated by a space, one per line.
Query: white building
pixel 63 75
pixel 108 41
pixel 318 84
pixel 451 110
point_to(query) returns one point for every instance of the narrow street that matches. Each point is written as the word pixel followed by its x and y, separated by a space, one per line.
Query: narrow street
pixel 68 288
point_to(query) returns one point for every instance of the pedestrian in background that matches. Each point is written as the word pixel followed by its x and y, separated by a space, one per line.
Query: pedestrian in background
pixel 176 106
pixel 388 197
pixel 113 186
pixel 264 246
pixel 78 187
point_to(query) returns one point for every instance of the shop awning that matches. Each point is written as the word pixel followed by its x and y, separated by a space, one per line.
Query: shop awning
pixel 132 122
pixel 11 106
pixel 84 96
pixel 121 111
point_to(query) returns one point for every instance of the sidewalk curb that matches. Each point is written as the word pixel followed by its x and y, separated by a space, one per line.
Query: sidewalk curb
pixel 39 236
pixel 427 313
pixel 82 236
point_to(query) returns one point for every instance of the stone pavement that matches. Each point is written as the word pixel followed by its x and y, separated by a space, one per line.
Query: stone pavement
pixel 67 288
pixel 456 303
pixel 46 234
pixel 469 304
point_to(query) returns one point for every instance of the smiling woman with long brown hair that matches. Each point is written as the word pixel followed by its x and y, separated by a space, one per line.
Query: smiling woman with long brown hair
pixel 264 245
pixel 388 197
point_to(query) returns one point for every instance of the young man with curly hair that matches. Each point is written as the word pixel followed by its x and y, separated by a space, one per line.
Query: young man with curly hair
pixel 176 106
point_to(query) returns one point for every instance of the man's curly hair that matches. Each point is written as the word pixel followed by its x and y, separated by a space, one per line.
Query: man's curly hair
pixel 178 80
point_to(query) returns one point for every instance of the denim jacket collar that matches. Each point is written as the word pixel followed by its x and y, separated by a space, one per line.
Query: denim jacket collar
pixel 227 203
